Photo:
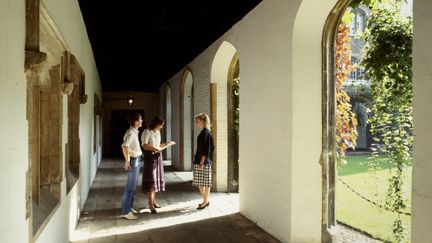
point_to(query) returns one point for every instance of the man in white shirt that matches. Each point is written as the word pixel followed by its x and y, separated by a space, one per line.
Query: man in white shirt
pixel 132 154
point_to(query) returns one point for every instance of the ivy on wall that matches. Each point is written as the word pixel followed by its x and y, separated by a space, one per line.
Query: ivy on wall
pixel 387 60
pixel 388 65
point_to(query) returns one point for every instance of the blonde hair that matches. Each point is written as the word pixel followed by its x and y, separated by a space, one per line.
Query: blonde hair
pixel 206 119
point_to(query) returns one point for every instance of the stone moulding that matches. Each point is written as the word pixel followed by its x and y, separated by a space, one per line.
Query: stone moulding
pixel 328 154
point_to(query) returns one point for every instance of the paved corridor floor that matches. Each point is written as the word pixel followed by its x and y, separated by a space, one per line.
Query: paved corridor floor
pixel 177 221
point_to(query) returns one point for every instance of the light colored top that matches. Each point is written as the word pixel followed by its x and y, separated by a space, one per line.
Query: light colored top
pixel 131 141
pixel 151 138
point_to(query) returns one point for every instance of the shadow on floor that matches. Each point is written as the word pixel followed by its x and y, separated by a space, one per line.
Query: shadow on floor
pixel 177 221
pixel 231 228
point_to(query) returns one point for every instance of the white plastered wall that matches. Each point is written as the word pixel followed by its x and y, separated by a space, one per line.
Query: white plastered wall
pixel 306 120
pixel 14 146
pixel 422 83
pixel 69 21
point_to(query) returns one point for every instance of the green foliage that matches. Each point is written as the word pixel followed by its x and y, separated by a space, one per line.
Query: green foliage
pixel 388 65
pixel 357 3
pixel 362 89
pixel 348 17
pixel 373 4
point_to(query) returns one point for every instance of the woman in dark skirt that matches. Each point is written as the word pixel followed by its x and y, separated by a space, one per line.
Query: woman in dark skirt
pixel 153 179
pixel 203 159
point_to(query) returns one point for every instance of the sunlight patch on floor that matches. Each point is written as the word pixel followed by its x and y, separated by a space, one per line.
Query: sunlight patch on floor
pixel 222 204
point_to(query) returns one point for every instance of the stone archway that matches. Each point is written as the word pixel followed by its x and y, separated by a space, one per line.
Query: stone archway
pixel 308 156
pixel 233 112
pixel 168 119
pixel 328 159
pixel 186 120
pixel 219 112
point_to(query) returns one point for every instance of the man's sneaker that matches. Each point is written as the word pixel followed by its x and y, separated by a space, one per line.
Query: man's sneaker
pixel 135 211
pixel 129 216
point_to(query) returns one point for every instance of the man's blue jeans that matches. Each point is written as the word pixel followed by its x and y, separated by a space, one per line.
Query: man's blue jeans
pixel 132 178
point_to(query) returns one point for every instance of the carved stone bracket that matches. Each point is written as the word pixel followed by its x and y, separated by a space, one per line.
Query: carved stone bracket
pixel 83 99
pixel 34 59
pixel 68 87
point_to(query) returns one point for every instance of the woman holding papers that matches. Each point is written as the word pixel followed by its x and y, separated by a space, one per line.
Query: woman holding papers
pixel 153 173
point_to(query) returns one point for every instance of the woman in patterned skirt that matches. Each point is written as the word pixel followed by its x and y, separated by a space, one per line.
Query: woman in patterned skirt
pixel 203 159
pixel 153 179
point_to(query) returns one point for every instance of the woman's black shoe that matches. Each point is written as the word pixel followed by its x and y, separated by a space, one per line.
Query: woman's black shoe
pixel 153 211
pixel 203 206
pixel 156 205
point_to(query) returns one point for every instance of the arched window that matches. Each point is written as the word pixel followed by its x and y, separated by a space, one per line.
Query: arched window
pixel 358 73
pixel 223 164
pixel 358 23
pixel 168 119
pixel 354 74
pixel 186 121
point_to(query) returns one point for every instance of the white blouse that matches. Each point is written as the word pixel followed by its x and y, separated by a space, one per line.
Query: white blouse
pixel 151 138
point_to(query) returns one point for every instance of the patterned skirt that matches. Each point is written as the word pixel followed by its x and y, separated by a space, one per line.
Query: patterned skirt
pixel 153 179
pixel 202 178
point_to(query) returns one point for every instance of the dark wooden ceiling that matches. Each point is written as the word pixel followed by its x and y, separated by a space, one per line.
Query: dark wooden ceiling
pixel 139 44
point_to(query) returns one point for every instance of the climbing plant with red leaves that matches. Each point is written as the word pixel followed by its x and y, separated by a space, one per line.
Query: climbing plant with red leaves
pixel 346 121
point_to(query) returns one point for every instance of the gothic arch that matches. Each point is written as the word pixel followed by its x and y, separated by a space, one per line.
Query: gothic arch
pixel 186 120
pixel 168 118
pixel 328 159
pixel 309 155
pixel 219 112
pixel 233 126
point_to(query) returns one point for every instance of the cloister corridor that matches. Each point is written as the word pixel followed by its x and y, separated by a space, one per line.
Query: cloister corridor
pixel 261 72
pixel 177 221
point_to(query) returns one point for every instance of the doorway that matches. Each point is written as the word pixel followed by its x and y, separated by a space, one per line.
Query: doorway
pixel 117 129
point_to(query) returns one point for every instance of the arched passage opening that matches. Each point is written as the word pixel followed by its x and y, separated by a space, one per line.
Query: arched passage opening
pixel 168 119
pixel 222 75
pixel 186 121
pixel 358 177
pixel 233 123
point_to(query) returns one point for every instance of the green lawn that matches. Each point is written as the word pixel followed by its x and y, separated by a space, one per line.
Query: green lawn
pixel 358 213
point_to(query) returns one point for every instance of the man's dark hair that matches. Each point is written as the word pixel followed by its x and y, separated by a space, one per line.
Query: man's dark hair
pixel 133 117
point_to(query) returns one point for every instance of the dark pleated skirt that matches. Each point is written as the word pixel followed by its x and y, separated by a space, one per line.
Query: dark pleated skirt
pixel 153 178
